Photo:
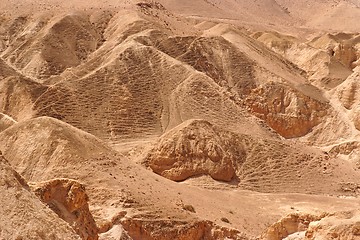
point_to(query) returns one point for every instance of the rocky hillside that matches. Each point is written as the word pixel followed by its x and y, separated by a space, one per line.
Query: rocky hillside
pixel 179 119
pixel 23 215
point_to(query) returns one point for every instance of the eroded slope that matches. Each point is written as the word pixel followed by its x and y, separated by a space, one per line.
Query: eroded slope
pixel 22 213
pixel 197 147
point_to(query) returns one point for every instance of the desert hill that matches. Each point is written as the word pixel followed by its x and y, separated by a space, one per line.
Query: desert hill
pixel 24 216
pixel 197 147
pixel 130 206
pixel 112 78
pixel 180 119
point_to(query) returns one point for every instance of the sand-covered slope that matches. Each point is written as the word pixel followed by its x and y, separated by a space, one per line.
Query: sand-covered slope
pixel 55 154
pixel 118 198
pixel 328 60
pixel 198 147
pixel 181 119
pixel 46 46
pixel 23 215
pixel 143 78
pixel 18 93
pixel 42 147
pixel 275 13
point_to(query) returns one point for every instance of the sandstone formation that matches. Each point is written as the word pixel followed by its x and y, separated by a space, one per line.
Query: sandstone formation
pixel 289 225
pixel 316 57
pixel 68 199
pixel 198 147
pixel 342 225
pixel 117 232
pixel 347 150
pixel 288 112
pixel 192 119
pixel 343 47
pixel 163 230
pixel 23 216
pixel 195 148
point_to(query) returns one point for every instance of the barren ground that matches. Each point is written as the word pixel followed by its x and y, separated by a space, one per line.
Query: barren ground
pixel 201 119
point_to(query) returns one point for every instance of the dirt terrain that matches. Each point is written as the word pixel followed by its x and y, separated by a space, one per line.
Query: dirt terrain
pixel 201 119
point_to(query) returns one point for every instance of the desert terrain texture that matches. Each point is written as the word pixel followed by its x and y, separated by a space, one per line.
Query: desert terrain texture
pixel 179 120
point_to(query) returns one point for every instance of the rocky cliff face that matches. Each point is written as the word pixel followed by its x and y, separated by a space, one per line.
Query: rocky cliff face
pixel 344 225
pixel 68 199
pixel 343 47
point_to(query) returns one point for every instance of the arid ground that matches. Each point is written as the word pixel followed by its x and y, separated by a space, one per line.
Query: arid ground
pixel 180 120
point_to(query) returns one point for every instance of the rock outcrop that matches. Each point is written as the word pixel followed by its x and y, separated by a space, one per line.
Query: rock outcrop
pixel 342 225
pixel 289 112
pixel 23 215
pixel 193 148
pixel 289 225
pixel 177 230
pixel 68 199
pixel 117 232
pixel 198 147
pixel 342 46
pixel 345 148
pixel 326 60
